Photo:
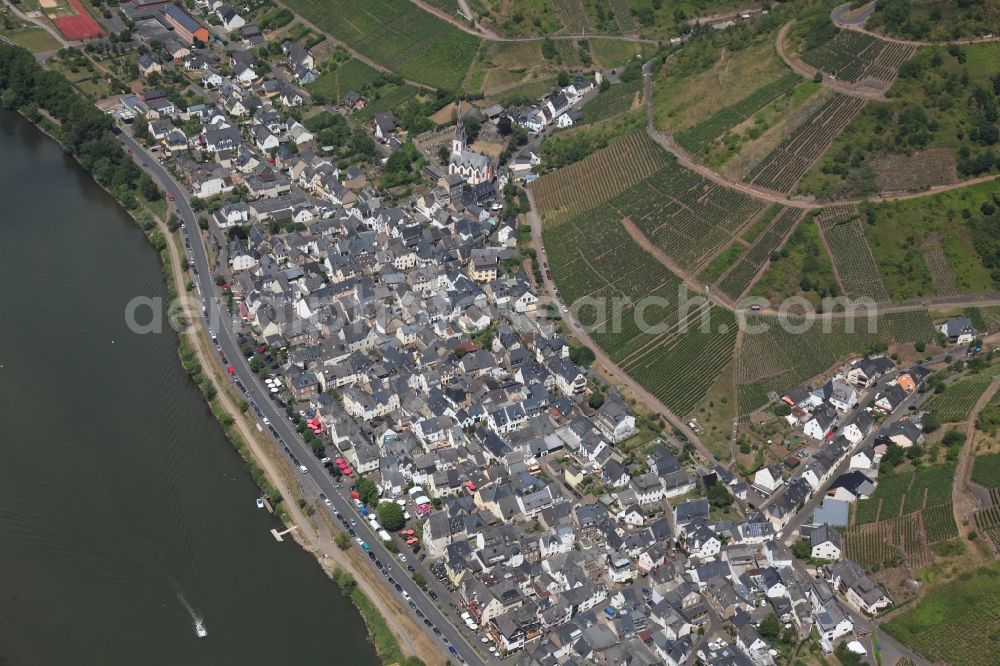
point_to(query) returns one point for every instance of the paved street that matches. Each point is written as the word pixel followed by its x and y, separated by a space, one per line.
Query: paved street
pixel 317 479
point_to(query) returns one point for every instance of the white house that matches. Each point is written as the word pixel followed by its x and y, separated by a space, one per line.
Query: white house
pixel 767 479
pixel 959 331
pixel 826 543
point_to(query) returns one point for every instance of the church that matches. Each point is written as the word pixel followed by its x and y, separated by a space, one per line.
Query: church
pixel 475 168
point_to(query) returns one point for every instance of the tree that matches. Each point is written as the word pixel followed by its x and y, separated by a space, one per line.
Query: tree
pixel 443 154
pixel 582 355
pixel 391 516
pixel 846 657
pixel 595 400
pixel 931 422
pixel 562 78
pixel 368 491
pixel 802 549
pixel 893 457
pixel 770 628
pixel 419 579
pixel 342 540
pixel 718 496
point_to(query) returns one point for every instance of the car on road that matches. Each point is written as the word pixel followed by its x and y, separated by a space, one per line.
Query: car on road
pixel 170 196
pixel 437 632
pixel 303 469
pixel 326 500
pixel 402 558
pixel 371 556
pixel 409 567
pixel 358 539
pixel 406 595
pixel 351 532
pixel 267 421
pixel 451 648
pixel 399 588
pixel 378 564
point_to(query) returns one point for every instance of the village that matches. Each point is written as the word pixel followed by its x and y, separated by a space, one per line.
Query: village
pixel 405 336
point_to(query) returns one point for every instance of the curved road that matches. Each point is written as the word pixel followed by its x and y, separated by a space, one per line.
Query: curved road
pixel 282 431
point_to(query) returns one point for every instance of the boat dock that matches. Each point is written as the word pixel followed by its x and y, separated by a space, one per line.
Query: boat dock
pixel 278 535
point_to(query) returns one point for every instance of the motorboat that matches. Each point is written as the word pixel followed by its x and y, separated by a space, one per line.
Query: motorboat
pixel 260 502
pixel 199 628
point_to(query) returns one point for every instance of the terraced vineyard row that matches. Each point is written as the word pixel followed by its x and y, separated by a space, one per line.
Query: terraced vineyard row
pixel 735 283
pixel 852 56
pixel 939 523
pixel 887 502
pixel 958 399
pixel 783 356
pixel 597 256
pixel 592 181
pixel 986 472
pixel 685 215
pixel 856 267
pixel 888 543
pixel 699 136
pixel 941 274
pixel 985 319
pixel 988 522
pixel 623 14
pixel 781 169
pixel 613 102
pixel 572 15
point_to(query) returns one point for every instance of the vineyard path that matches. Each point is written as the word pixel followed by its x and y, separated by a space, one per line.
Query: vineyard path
pixel 808 71
pixel 964 503
pixel 858 26
pixel 619 375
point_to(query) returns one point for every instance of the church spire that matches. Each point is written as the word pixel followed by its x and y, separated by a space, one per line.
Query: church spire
pixel 458 143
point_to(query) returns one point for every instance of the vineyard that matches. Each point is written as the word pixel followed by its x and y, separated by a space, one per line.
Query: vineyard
pixel 985 319
pixel 852 56
pixel 887 501
pixel 777 359
pixel 623 14
pixel 685 215
pixel 613 102
pixel 937 264
pixel 988 523
pixel 785 165
pixel 592 181
pixel 735 283
pixel 954 405
pixel 670 355
pixel 572 15
pixel 986 470
pixel 956 621
pixel 408 40
pixel 851 254
pixel 698 137
pixel 888 543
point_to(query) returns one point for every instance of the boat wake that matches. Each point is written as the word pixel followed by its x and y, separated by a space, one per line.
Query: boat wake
pixel 199 622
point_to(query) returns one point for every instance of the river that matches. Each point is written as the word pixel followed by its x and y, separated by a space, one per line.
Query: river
pixel 124 512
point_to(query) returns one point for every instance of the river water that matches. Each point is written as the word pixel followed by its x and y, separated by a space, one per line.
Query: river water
pixel 123 510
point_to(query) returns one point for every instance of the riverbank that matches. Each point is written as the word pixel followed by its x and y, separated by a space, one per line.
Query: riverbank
pixel 389 625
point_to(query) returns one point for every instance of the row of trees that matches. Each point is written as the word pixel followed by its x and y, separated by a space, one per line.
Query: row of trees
pixel 83 130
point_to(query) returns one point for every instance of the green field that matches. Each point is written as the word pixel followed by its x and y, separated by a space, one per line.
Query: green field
pixel 801 268
pixel 742 274
pixel 901 232
pixel 698 137
pixel 957 622
pixel 399 35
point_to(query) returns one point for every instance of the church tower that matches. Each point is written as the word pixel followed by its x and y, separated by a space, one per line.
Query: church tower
pixel 458 143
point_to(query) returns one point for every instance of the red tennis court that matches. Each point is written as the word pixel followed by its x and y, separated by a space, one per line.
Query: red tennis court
pixel 79 26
